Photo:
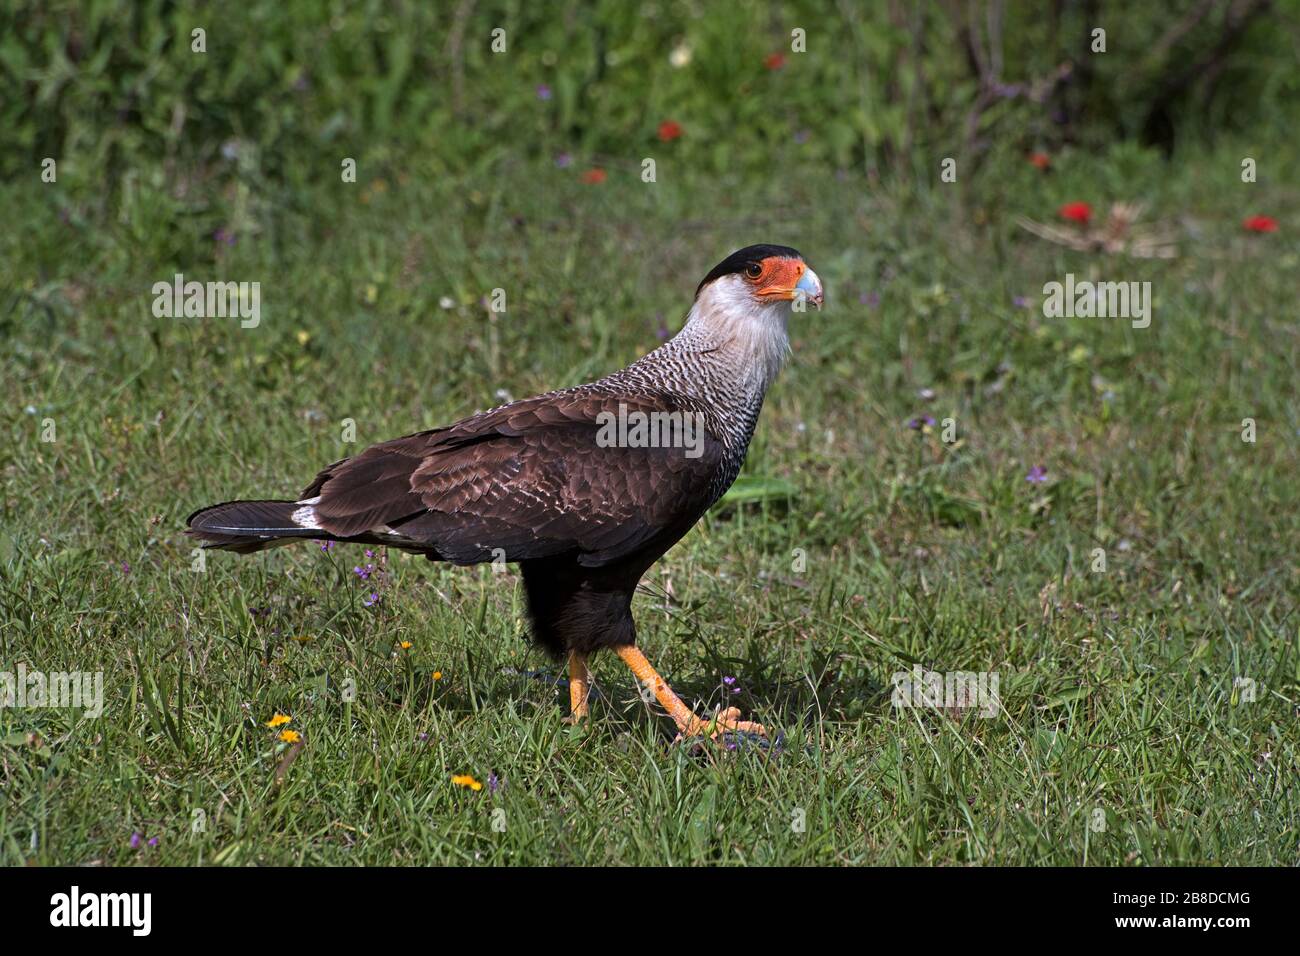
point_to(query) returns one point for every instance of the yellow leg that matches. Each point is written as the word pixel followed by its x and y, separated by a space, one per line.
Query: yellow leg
pixel 687 723
pixel 579 686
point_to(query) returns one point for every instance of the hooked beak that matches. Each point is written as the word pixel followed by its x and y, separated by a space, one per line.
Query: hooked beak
pixel 809 288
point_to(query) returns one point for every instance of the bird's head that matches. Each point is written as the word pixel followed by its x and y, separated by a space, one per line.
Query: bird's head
pixel 762 277
pixel 742 306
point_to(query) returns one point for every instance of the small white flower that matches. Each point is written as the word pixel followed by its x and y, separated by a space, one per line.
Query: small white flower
pixel 447 302
pixel 680 56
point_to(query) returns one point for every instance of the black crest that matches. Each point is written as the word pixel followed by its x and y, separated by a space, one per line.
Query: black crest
pixel 739 260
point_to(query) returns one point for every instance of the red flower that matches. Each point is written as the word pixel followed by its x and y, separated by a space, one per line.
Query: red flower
pixel 1040 160
pixel 774 61
pixel 594 176
pixel 1079 212
pixel 1260 224
pixel 669 130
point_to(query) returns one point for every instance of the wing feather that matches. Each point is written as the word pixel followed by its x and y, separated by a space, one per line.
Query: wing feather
pixel 529 479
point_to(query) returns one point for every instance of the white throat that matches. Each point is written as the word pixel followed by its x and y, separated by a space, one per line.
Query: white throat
pixel 750 335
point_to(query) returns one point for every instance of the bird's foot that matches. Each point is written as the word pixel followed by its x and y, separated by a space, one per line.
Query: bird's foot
pixel 726 722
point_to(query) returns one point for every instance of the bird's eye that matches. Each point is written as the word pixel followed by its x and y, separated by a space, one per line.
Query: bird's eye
pixel 754 270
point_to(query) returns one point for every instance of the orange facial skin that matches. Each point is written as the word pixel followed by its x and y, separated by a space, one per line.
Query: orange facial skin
pixel 778 278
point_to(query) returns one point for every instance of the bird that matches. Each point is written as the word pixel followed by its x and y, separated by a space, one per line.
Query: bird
pixel 584 488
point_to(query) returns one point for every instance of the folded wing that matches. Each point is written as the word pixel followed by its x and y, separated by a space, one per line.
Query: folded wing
pixel 529 480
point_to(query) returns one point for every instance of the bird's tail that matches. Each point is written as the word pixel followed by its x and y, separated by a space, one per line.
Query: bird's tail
pixel 246 526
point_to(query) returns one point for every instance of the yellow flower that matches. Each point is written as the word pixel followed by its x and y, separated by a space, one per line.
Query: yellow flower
pixel 290 736
pixel 466 780
pixel 279 720
pixel 405 645
pixel 303 336
pixel 437 675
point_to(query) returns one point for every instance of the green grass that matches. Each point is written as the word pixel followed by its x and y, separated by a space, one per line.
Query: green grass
pixel 1117 688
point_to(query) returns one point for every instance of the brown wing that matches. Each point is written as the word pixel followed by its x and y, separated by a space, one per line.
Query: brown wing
pixel 530 479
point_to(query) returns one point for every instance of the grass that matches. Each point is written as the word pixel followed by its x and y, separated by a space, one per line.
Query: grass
pixel 1125 735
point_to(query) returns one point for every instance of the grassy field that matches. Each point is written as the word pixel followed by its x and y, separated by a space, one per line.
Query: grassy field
pixel 1126 734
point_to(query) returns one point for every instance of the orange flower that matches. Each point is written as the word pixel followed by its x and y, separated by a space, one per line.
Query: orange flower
pixel 1079 212
pixel 1040 161
pixel 290 736
pixel 466 780
pixel 405 645
pixel 279 720
pixel 594 176
pixel 774 61
pixel 669 130
pixel 1260 224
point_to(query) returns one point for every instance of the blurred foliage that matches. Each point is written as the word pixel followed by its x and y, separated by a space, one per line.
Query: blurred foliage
pixel 108 86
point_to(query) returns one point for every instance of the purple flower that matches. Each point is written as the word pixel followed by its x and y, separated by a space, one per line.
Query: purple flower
pixel 372 600
pixel 327 546
pixel 920 421
pixel 494 783
pixel 543 91
pixel 224 236
pixel 1020 302
pixel 126 568
pixel 153 841
pixel 1037 475
pixel 363 573
pixel 369 553
pixel 564 160
pixel 134 842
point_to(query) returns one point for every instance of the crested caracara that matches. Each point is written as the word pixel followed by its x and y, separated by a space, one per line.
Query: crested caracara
pixel 585 488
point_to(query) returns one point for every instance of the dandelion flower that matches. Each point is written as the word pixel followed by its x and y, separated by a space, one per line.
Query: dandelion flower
pixel 279 720
pixel 466 780
pixel 290 736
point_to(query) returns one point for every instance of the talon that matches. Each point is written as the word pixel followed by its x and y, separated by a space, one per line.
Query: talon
pixel 727 721
pixel 688 725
